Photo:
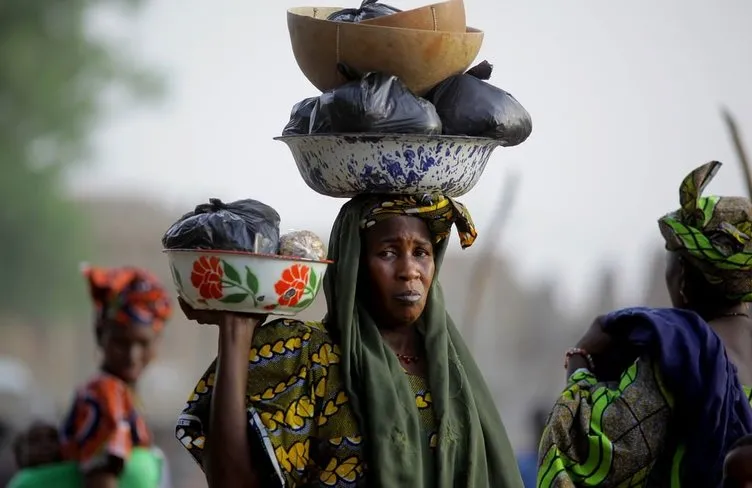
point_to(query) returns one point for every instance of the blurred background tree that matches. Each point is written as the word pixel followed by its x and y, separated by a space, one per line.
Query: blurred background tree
pixel 54 75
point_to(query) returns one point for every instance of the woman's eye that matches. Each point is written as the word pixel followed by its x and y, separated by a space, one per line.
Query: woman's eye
pixel 387 253
pixel 422 252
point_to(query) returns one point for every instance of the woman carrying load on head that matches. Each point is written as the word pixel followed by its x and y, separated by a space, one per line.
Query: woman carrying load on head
pixel 384 393
pixel 655 396
pixel 104 434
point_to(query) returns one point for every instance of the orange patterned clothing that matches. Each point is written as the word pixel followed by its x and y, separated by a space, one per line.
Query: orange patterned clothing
pixel 104 421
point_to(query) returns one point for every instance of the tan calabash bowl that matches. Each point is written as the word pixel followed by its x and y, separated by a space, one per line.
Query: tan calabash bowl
pixel 420 58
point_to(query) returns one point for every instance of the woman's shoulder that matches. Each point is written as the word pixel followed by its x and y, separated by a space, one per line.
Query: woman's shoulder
pixel 293 325
pixel 292 332
pixel 641 376
pixel 289 340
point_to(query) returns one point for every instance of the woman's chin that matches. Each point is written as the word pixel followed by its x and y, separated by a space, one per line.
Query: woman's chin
pixel 397 315
pixel 409 316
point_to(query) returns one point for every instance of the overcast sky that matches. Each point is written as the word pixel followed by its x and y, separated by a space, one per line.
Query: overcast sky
pixel 624 98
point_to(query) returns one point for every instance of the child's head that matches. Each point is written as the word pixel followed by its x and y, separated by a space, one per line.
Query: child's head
pixel 737 468
pixel 36 446
pixel 131 308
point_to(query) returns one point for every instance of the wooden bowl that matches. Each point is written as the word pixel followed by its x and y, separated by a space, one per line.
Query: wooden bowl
pixel 445 16
pixel 420 58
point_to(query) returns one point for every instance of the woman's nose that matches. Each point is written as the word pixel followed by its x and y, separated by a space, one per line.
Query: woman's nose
pixel 409 269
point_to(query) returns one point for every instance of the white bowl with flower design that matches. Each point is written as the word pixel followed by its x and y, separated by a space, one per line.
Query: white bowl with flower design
pixel 235 281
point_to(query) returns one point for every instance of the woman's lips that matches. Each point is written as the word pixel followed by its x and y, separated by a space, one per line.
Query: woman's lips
pixel 408 297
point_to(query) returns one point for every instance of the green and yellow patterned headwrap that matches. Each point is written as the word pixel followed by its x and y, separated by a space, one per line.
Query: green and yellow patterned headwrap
pixel 713 233
pixel 437 211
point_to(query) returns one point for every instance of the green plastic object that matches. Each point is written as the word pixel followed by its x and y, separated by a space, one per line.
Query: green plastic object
pixel 143 470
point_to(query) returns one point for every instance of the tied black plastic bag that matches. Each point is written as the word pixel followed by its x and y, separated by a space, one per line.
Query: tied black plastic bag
pixel 300 118
pixel 374 103
pixel 469 106
pixel 369 9
pixel 245 225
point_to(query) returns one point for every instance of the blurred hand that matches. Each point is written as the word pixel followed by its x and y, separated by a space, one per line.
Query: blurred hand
pixel 221 319
pixel 596 341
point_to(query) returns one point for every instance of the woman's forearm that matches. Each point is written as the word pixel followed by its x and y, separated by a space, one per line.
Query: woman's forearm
pixel 228 453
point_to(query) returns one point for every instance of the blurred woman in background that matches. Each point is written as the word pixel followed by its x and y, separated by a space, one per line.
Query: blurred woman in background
pixel 655 396
pixel 104 436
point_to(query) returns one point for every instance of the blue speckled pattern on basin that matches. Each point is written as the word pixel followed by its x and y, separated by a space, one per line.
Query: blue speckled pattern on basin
pixel 345 165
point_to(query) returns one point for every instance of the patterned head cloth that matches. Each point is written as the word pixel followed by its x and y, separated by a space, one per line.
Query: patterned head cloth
pixel 128 296
pixel 437 211
pixel 713 234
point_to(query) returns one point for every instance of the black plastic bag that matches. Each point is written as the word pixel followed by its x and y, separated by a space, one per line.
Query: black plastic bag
pixel 375 103
pixel 300 118
pixel 369 9
pixel 245 225
pixel 469 106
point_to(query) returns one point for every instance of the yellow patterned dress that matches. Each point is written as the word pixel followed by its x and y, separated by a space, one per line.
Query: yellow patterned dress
pixel 298 415
pixel 424 402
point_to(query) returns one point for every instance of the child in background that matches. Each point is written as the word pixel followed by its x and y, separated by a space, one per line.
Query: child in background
pixel 104 441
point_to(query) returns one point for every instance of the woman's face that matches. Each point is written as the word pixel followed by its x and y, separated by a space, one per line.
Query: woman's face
pixel 128 350
pixel 400 261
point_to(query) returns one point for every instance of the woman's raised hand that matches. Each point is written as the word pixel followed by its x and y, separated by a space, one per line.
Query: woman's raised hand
pixel 218 318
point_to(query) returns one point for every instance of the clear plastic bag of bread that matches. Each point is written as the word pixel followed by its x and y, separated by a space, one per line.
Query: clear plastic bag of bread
pixel 302 244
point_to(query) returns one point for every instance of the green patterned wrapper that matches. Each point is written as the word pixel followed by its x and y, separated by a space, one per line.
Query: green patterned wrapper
pixel 713 233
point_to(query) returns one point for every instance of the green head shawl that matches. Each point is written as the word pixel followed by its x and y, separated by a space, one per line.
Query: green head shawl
pixel 713 234
pixel 473 449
